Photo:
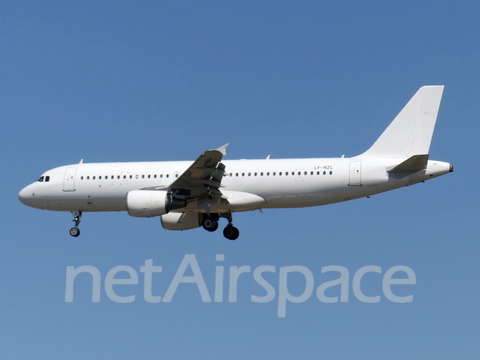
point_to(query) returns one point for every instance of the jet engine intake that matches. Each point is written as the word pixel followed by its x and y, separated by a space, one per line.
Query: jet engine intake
pixel 149 203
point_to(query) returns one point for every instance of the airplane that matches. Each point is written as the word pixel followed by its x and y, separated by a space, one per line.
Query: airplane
pixel 187 195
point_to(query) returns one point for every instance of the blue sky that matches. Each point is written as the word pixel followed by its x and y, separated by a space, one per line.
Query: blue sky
pixel 124 81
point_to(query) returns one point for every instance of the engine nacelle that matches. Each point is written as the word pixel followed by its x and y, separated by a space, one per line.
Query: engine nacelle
pixel 148 203
pixel 181 221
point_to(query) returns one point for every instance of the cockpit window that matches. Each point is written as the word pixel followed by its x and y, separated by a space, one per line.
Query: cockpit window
pixel 43 178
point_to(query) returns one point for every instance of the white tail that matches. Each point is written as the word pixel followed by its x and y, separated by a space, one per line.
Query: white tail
pixel 410 133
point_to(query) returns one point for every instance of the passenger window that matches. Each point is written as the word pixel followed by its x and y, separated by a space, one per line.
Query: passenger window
pixel 331 173
pixel 81 177
pixel 324 173
pixel 155 176
pixel 167 175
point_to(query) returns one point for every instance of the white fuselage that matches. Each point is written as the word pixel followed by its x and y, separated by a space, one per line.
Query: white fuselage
pixel 285 183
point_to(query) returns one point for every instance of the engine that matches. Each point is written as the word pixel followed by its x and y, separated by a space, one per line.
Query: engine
pixel 181 221
pixel 148 203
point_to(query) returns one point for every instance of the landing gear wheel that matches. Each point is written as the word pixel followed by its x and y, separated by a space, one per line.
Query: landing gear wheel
pixel 75 232
pixel 231 232
pixel 210 225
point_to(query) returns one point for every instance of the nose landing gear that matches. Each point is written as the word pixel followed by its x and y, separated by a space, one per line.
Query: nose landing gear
pixel 75 231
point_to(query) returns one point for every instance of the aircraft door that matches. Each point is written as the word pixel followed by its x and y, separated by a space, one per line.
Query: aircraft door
pixel 69 179
pixel 355 173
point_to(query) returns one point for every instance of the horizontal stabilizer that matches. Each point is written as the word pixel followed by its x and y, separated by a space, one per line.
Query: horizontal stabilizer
pixel 412 164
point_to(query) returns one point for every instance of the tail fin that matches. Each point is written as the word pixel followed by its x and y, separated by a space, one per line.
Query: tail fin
pixel 410 133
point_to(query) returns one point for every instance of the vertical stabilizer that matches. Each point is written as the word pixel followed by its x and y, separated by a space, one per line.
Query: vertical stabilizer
pixel 410 133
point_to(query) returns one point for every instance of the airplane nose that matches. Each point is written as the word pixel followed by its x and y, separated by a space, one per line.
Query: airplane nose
pixel 24 195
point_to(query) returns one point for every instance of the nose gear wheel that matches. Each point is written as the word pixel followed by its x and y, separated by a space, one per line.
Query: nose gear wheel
pixel 75 231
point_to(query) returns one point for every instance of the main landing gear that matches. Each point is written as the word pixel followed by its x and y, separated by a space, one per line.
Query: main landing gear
pixel 210 223
pixel 75 231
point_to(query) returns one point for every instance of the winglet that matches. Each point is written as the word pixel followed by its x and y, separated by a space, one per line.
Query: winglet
pixel 223 149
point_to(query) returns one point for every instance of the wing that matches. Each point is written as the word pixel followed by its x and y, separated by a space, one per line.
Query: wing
pixel 201 181
pixel 204 175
